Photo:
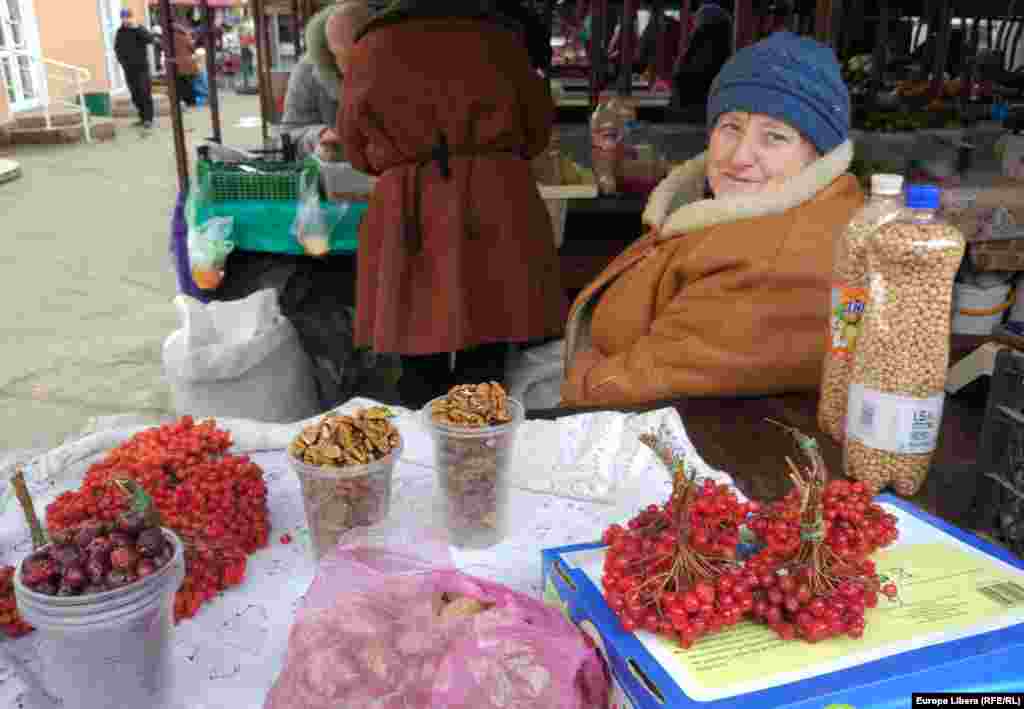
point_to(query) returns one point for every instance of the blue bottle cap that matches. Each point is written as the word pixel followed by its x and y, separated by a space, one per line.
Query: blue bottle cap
pixel 923 197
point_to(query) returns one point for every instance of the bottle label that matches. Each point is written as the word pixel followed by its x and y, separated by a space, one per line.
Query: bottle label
pixel 845 319
pixel 890 422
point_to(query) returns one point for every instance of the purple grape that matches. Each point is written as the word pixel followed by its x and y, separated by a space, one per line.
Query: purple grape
pixel 151 542
pixel 121 539
pixel 96 568
pixel 75 576
pixel 49 588
pixel 131 523
pixel 64 591
pixel 66 555
pixel 101 545
pixel 88 532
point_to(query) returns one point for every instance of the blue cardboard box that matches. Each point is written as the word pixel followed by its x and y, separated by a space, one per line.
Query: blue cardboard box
pixel 990 660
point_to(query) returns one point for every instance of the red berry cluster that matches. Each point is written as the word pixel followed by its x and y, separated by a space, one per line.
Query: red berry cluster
pixel 216 502
pixel 672 570
pixel 854 525
pixel 669 570
pixel 11 623
pixel 785 601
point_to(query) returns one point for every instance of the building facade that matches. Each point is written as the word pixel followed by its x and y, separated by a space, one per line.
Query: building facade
pixel 43 44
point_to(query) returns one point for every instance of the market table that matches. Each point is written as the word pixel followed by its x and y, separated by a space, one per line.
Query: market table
pixel 732 434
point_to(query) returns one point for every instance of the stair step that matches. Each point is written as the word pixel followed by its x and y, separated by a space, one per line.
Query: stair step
pixel 102 129
pixel 124 108
pixel 5 133
pixel 61 116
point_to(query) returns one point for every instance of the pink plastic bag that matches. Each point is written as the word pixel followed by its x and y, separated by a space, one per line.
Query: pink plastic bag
pixel 369 635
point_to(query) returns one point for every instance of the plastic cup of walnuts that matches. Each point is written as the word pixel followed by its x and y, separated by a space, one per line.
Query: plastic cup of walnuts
pixel 339 493
pixel 474 429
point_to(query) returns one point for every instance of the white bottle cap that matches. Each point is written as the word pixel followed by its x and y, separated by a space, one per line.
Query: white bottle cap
pixel 887 184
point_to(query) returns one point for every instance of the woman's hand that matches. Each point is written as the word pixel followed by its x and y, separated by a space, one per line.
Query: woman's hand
pixel 329 148
pixel 574 387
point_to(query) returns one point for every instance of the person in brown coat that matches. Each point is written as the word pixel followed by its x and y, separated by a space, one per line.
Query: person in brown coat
pixel 188 69
pixel 456 251
pixel 728 292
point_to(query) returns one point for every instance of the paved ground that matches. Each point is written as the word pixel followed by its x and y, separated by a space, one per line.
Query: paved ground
pixel 87 280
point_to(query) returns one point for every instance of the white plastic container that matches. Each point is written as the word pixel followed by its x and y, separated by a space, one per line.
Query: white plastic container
pixel 108 650
pixel 978 311
pixel 472 469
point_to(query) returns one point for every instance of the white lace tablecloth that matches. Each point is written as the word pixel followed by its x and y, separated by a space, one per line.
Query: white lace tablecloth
pixel 230 654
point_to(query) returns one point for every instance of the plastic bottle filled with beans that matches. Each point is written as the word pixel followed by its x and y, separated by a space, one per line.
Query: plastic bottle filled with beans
pixel 899 370
pixel 849 300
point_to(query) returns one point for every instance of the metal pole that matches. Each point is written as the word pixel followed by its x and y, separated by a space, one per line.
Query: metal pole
pixel 627 38
pixel 297 29
pixel 881 44
pixel 743 18
pixel 945 13
pixel 171 72
pixel 598 47
pixel 684 32
pixel 259 20
pixel 211 70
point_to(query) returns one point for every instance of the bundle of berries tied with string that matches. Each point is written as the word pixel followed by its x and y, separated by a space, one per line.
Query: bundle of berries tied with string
pixel 216 503
pixel 672 569
pixel 814 579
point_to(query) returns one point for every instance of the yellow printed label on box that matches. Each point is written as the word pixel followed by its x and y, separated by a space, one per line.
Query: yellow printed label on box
pixel 845 318
pixel 941 588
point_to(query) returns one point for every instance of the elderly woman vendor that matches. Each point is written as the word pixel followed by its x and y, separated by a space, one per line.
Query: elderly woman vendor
pixel 728 291
pixel 314 87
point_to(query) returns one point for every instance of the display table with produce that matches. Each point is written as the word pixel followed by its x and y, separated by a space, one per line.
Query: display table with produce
pixel 570 476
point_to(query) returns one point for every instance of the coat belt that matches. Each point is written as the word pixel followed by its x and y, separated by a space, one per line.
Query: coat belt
pixel 441 154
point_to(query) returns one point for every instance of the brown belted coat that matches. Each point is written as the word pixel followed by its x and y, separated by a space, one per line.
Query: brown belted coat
pixel 722 297
pixel 456 248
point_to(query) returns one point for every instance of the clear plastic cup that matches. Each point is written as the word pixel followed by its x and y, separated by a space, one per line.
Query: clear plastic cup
pixel 472 468
pixel 107 650
pixel 337 500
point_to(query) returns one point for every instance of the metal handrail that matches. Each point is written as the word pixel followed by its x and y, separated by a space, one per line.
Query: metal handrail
pixel 81 75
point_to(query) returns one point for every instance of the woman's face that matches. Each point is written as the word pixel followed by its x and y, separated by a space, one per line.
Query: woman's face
pixel 751 152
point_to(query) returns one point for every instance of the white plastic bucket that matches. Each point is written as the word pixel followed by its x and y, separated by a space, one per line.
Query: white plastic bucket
pixel 978 311
pixel 107 650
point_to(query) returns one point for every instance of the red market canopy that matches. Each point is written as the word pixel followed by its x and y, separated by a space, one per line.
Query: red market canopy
pixel 212 3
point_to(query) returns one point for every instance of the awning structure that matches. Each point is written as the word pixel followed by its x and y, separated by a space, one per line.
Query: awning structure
pixel 212 3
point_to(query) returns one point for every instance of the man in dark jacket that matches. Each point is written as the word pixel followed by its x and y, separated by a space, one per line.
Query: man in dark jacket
pixel 130 45
pixel 709 48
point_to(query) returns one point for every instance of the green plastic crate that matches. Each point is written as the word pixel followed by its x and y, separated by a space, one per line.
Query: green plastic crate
pixel 261 181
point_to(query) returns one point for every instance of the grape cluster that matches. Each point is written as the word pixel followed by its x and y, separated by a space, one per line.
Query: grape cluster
pixel 97 556
pixel 217 503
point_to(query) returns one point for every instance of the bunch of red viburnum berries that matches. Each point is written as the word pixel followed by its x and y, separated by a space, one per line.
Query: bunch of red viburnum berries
pixel 217 503
pixel 673 569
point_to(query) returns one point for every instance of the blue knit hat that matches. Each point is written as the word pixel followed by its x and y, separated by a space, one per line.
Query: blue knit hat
pixel 790 78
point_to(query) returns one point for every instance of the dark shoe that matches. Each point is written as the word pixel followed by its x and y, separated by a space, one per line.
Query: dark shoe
pixel 148 125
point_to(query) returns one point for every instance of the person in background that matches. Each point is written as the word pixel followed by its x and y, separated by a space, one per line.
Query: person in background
pixel 456 251
pixel 727 294
pixel 131 43
pixel 315 85
pixel 657 61
pixel 709 47
pixel 184 56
